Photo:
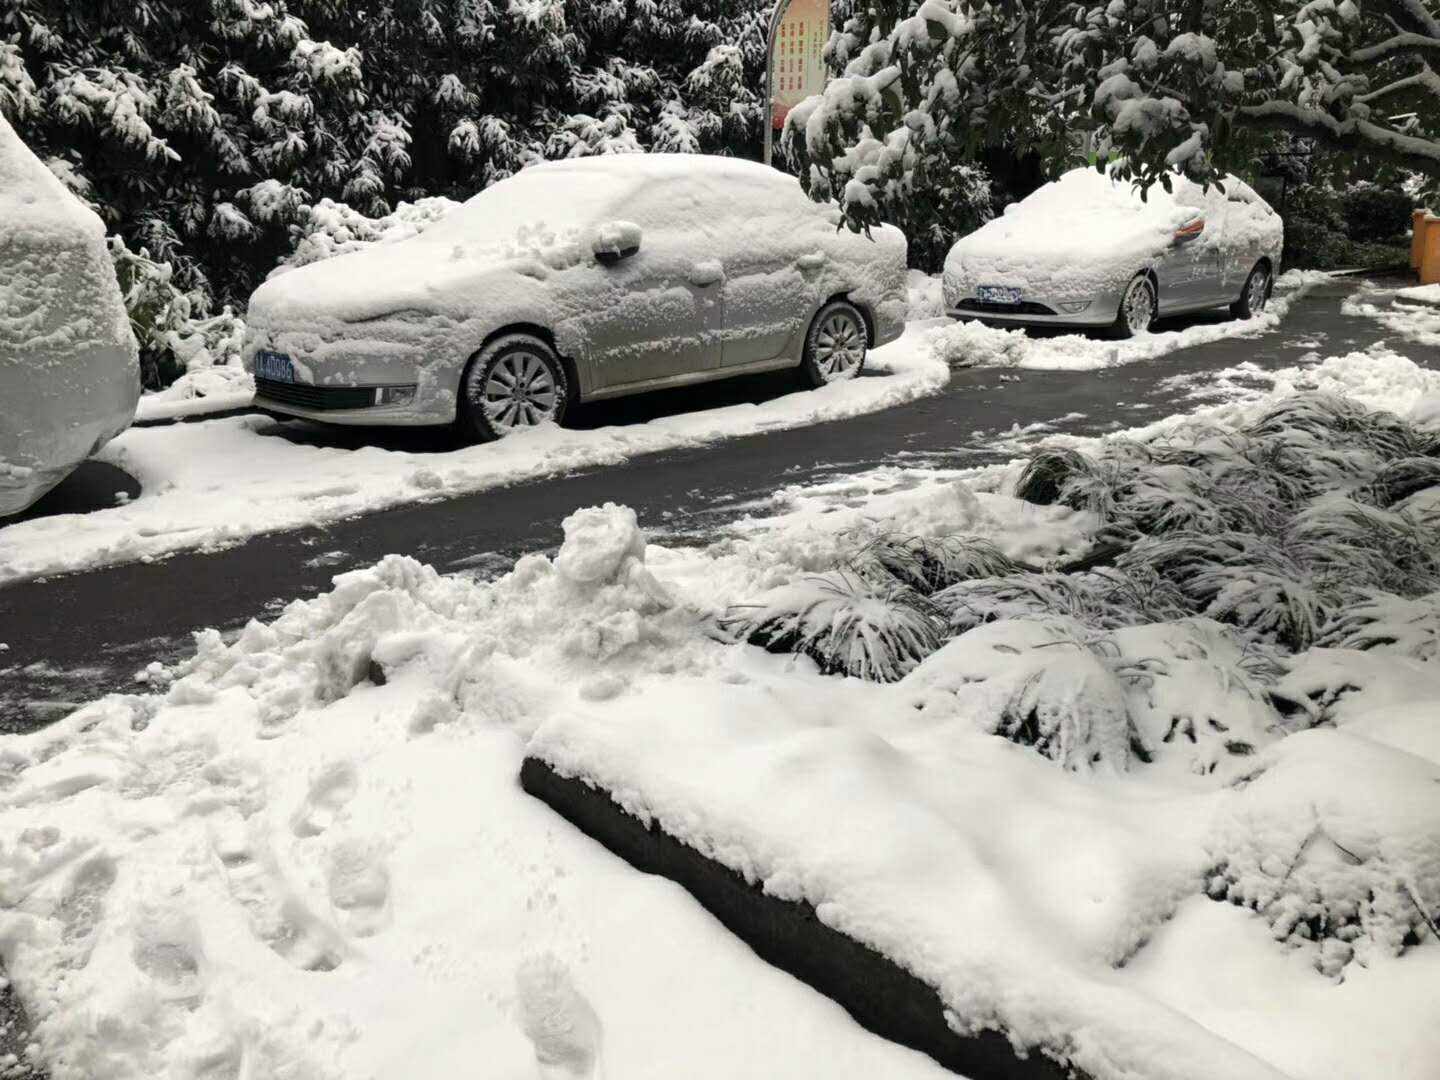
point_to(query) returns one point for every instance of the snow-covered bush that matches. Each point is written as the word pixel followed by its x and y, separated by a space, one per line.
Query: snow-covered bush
pixel 931 564
pixel 1038 683
pixel 848 625
pixel 1388 623
pixel 1351 868
pixel 175 332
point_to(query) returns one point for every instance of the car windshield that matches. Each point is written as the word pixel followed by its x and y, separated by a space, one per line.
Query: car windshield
pixel 556 201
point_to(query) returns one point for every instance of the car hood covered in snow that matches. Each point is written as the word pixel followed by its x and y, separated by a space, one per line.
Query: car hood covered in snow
pixel 436 273
pixel 69 368
pixel 1082 234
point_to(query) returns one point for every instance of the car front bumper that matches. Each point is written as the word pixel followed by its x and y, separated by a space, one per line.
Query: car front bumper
pixel 353 382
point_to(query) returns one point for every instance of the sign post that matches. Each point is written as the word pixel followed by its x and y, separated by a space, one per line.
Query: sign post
pixel 794 60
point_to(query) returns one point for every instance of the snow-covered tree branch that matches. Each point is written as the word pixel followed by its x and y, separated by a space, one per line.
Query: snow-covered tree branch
pixel 1158 85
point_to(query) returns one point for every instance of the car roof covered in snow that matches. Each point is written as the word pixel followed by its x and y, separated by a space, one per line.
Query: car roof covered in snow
pixel 663 166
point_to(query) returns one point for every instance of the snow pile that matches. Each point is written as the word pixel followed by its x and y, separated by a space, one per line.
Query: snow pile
pixel 924 295
pixel 1418 320
pixel 247 872
pixel 69 370
pixel 973 344
pixel 217 388
pixel 1420 294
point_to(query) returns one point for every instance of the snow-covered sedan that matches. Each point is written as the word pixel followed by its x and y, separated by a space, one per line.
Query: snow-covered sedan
pixel 1088 251
pixel 576 280
pixel 69 369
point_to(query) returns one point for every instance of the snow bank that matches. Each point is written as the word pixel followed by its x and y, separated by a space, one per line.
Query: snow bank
pixel 1418 322
pixel 193 496
pixel 973 344
pixel 69 369
pixel 277 867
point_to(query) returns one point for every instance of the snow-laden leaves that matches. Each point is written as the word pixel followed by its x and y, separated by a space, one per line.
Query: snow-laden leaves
pixel 846 624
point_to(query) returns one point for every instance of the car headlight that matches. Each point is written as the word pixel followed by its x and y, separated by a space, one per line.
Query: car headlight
pixel 1073 307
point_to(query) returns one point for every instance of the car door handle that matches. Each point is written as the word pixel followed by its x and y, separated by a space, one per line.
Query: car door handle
pixel 814 261
pixel 706 273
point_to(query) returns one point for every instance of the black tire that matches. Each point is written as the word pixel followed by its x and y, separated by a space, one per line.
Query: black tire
pixel 514 383
pixel 1255 294
pixel 1138 298
pixel 835 345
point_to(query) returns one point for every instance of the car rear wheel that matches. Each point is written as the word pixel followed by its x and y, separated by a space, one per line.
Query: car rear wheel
pixel 1137 308
pixel 835 345
pixel 1255 295
pixel 513 384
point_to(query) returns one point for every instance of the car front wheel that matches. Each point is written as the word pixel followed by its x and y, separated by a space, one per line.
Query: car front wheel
pixel 835 346
pixel 1255 294
pixel 1137 308
pixel 513 384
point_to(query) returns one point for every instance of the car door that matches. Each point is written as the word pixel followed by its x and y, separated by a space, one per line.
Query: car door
pixel 1191 270
pixel 1245 235
pixel 776 257
pixel 657 315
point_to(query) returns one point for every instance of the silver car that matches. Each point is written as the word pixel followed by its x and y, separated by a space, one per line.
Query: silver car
pixel 1088 251
pixel 574 281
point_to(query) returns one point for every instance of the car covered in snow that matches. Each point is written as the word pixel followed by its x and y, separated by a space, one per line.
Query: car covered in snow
pixel 1087 250
pixel 69 369
pixel 572 281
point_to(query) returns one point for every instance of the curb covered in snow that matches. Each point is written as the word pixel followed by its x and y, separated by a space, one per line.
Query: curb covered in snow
pixel 879 994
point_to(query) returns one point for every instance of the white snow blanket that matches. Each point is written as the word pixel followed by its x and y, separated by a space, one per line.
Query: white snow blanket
pixel 273 867
pixel 69 369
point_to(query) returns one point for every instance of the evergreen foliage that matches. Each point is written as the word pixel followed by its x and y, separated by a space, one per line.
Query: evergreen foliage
pixel 202 130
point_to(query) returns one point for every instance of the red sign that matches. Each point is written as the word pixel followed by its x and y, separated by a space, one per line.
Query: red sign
pixel 799 66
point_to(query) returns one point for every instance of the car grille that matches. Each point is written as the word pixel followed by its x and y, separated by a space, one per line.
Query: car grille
pixel 985 307
pixel 305 396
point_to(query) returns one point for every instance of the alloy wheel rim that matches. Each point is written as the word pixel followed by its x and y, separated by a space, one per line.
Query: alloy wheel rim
pixel 519 392
pixel 1259 287
pixel 1139 307
pixel 839 346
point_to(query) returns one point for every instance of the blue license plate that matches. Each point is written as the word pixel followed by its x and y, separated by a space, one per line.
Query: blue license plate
pixel 275 366
pixel 998 294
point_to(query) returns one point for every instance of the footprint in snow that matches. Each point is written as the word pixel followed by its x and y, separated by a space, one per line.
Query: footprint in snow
pixel 330 790
pixel 359 888
pixel 278 916
pixel 84 900
pixel 559 1022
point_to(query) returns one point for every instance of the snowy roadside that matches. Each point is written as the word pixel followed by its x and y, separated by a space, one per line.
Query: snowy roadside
pixel 211 484
pixel 199 392
pixel 243 857
pixel 1414 313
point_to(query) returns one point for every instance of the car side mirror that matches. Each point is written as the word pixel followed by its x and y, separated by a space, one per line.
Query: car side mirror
pixel 1191 230
pixel 613 241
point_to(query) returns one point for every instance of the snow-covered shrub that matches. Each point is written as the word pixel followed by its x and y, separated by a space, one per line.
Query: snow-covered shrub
pixel 330 228
pixel 1388 623
pixel 847 624
pixel 1349 870
pixel 1048 473
pixel 1398 480
pixel 1037 683
pixel 928 564
pixel 1023 595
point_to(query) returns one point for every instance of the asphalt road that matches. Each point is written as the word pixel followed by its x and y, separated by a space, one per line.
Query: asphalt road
pixel 74 637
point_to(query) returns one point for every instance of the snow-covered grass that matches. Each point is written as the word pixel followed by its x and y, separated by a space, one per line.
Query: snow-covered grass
pixel 257 863
pixel 973 344
pixel 219 482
